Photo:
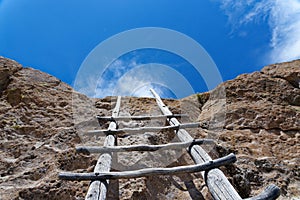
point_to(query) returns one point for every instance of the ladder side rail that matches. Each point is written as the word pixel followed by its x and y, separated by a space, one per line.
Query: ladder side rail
pixel 220 187
pixel 98 189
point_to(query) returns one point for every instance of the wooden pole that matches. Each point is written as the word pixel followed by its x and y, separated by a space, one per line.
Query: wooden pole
pixel 128 118
pixel 270 193
pixel 142 147
pixel 141 130
pixel 150 171
pixel 98 189
pixel 216 181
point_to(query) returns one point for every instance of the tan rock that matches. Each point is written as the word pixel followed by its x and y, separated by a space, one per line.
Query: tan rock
pixel 255 116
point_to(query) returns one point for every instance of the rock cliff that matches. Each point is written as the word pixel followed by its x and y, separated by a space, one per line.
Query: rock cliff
pixel 256 116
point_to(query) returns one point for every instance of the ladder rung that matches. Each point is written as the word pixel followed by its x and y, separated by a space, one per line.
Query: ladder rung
pixel 270 192
pixel 142 147
pixel 143 129
pixel 150 171
pixel 120 118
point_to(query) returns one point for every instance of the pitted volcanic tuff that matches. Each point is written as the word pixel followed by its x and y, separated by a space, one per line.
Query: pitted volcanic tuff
pixel 256 116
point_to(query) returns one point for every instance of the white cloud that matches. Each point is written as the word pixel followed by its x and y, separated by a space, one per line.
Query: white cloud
pixel 107 82
pixel 283 17
pixel 143 91
pixel 139 78
pixel 130 84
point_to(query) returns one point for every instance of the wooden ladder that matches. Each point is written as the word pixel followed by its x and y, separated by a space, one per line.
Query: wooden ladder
pixel 217 183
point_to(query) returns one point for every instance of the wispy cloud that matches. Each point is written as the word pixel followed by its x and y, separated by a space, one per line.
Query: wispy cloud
pixel 128 78
pixel 283 18
pixel 144 91
pixel 106 85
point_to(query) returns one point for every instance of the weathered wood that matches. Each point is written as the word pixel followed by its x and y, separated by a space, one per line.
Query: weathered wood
pixel 141 130
pixel 270 193
pixel 127 118
pixel 220 188
pixel 98 189
pixel 143 147
pixel 216 181
pixel 150 171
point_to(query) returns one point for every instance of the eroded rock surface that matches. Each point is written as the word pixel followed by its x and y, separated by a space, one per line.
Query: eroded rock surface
pixel 262 126
pixel 255 116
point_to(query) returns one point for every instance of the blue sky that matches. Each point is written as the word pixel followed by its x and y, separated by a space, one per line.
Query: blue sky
pixel 240 36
